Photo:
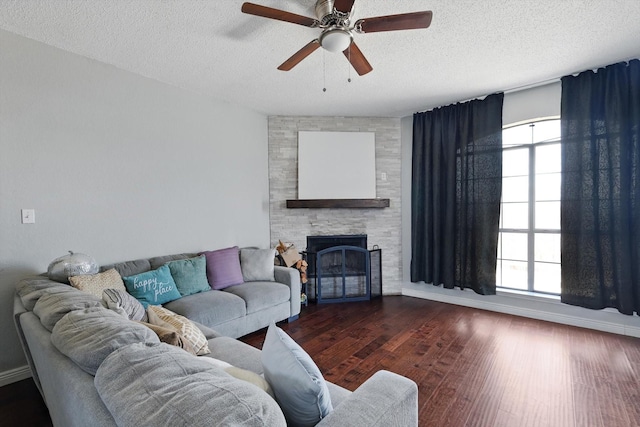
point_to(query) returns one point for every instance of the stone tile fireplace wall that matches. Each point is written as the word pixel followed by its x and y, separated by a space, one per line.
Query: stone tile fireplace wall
pixel 382 226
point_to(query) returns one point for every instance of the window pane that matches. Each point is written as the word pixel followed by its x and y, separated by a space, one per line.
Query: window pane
pixel 515 215
pixel 512 274
pixel 546 277
pixel 547 247
pixel 517 135
pixel 512 246
pixel 548 215
pixel 548 158
pixel 515 189
pixel 548 130
pixel 547 186
pixel 515 162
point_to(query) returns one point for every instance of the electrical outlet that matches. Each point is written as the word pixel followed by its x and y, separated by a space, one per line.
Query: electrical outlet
pixel 28 216
pixel 383 176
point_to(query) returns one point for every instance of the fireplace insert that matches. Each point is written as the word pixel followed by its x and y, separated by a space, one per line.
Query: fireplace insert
pixel 316 244
pixel 342 269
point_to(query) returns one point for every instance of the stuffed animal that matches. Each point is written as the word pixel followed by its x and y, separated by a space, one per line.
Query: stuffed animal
pixel 301 265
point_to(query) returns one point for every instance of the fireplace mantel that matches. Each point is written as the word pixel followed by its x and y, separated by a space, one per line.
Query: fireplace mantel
pixel 338 203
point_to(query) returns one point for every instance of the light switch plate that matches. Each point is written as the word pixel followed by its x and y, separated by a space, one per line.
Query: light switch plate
pixel 28 216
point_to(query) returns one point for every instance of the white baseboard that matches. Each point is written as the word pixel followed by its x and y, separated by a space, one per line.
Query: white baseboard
pixel 532 307
pixel 14 375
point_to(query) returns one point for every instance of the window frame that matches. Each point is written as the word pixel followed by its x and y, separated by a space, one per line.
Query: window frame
pixel 531 231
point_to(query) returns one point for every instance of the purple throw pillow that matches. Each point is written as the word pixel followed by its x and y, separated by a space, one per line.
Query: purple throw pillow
pixel 223 267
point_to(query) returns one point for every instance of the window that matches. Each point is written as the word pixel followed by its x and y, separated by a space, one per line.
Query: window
pixel 529 238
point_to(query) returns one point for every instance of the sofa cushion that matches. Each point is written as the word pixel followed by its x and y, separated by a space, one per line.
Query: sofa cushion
pixel 88 336
pixel 187 391
pixel 50 308
pixel 153 287
pixel 31 289
pixel 300 389
pixel 124 304
pixel 129 268
pixel 209 308
pixel 223 267
pixel 261 295
pixel 257 264
pixel 190 275
pixel 96 283
pixel 237 353
pixel 159 261
pixel 162 317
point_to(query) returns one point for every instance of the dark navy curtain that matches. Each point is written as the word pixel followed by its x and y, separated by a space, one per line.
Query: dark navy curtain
pixel 456 190
pixel 601 188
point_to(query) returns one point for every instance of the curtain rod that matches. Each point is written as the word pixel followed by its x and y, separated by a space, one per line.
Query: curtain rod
pixel 531 85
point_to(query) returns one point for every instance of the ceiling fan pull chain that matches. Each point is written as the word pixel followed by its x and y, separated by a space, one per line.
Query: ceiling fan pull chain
pixel 349 65
pixel 324 73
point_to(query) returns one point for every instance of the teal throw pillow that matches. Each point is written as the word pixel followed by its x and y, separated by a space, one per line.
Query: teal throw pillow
pixel 154 287
pixel 190 275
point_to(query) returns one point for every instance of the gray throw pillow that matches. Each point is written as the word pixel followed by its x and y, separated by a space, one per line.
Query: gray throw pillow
pixel 257 264
pixel 296 381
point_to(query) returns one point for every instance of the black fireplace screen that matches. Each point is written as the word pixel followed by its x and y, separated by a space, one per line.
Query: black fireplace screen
pixel 347 273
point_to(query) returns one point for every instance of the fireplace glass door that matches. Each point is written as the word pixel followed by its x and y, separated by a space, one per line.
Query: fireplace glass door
pixel 343 273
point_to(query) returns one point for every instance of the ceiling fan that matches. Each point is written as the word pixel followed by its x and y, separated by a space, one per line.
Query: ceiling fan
pixel 333 17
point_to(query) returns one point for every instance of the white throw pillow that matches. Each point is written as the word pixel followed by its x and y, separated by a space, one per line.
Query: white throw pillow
pixel 296 381
pixel 241 374
pixel 257 264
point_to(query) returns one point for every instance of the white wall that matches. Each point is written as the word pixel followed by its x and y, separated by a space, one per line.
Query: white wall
pixel 538 102
pixel 117 166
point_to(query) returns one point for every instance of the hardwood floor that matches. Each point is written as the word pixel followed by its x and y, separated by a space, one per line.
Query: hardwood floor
pixel 475 367
pixel 472 367
pixel 21 405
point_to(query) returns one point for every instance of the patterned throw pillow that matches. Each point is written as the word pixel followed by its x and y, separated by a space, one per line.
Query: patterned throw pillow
pixel 171 337
pixel 96 283
pixel 153 287
pixel 166 318
pixel 121 302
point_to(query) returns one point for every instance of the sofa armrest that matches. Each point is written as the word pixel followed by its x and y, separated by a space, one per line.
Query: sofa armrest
pixel 291 278
pixel 386 399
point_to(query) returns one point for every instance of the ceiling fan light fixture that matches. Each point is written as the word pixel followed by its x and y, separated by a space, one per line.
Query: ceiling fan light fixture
pixel 336 39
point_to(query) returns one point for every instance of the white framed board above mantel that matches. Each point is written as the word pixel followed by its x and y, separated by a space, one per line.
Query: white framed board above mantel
pixel 336 165
pixel 337 170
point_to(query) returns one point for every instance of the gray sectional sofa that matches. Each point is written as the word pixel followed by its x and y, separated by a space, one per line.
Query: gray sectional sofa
pixel 234 311
pixel 95 367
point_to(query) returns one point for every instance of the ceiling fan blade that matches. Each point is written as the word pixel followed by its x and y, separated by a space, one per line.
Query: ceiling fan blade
pixel 357 59
pixel 299 55
pixel 280 15
pixel 404 21
pixel 344 6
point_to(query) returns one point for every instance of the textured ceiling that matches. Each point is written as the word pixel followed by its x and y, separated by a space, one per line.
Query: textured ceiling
pixel 471 49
